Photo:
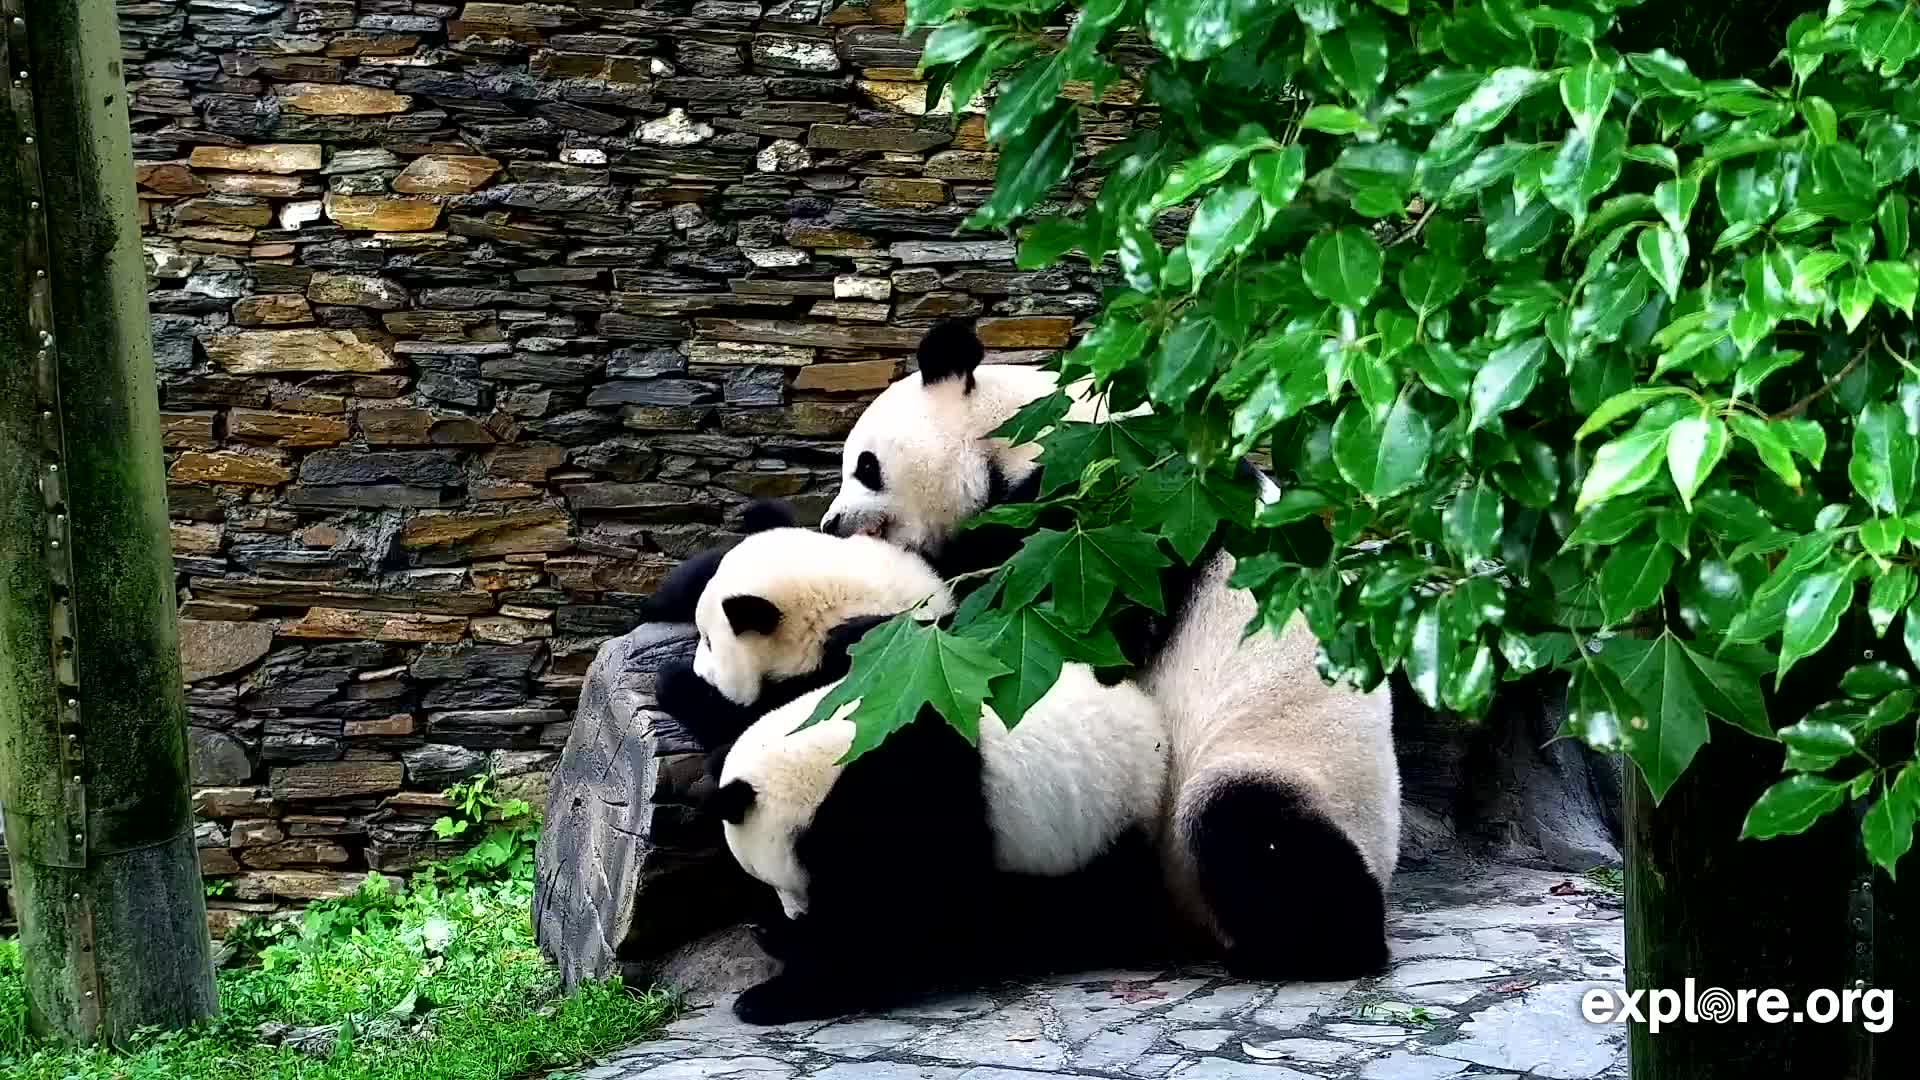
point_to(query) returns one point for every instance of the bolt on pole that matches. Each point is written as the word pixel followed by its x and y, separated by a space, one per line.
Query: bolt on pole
pixel 93 762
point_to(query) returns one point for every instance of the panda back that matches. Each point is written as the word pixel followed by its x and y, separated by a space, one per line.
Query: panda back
pixel 1086 765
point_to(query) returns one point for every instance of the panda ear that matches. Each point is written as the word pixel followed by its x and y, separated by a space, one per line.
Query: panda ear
pixel 751 614
pixel 732 801
pixel 763 514
pixel 951 350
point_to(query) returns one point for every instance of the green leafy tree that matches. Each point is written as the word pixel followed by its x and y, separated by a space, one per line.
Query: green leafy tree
pixel 1565 357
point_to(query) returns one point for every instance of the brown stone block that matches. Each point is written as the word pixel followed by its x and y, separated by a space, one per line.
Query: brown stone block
pixel 286 429
pixel 266 157
pixel 186 429
pixel 382 213
pixel 904 191
pixel 341 624
pixel 1027 332
pixel 260 352
pixel 302 884
pixel 228 467
pixel 341 99
pixel 860 137
pixel 446 174
pixel 169 179
pixel 856 377
pixel 273 309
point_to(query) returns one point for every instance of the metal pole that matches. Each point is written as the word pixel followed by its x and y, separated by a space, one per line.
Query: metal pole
pixel 93 775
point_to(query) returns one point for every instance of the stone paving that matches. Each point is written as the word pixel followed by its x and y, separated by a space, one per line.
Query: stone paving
pixel 1489 966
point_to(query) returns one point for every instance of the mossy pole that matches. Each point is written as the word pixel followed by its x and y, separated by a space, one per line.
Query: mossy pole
pixel 93 775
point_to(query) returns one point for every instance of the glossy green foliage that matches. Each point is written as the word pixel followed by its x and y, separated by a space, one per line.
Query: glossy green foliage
pixel 1562 355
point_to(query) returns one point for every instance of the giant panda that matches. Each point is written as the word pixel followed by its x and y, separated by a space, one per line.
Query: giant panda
pixel 776 614
pixel 930 859
pixel 1285 817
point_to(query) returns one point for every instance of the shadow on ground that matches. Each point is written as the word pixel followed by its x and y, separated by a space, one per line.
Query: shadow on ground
pixel 1489 966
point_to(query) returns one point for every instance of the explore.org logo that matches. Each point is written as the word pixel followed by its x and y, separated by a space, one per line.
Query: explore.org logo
pixel 1871 1009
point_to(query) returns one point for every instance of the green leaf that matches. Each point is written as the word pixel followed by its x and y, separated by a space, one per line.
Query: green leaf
pixel 1621 404
pixel 1872 680
pixel 1889 710
pixel 1026 97
pixel 1277 176
pixel 1675 198
pixel 1818 738
pixel 1910 631
pixel 1854 298
pixel 1429 282
pixel 1184 505
pixel 1888 38
pixel 1671 723
pixel 1385 458
pixel 1495 98
pixel 1633 576
pixel 1767 442
pixel 1489 166
pixel 953 42
pixel 1885 466
pixel 1695 444
pixel 1599 708
pixel 1437 95
pixel 1882 537
pixel 1791 806
pixel 1090 564
pixel 1334 120
pixel 1623 466
pixel 1189 355
pixel 1198 29
pixel 1755 371
pixel 1895 282
pixel 1887 828
pixel 1730 693
pixel 1343 266
pixel 1664 253
pixel 1891 591
pixel 1506 379
pixel 1356 55
pixel 901 666
pixel 1813 614
pixel 1840 169
pixel 1893 216
pixel 1820 118
pixel 1029 167
pixel 1471 523
pixel 1669 71
pixel 1513 229
pixel 1188 177
pixel 1430 654
pixel 1586 89
pixel 1225 224
pixel 1033 645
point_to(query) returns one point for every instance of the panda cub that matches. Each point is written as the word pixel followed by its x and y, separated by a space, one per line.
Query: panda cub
pixel 1285 820
pixel 930 861
pixel 777 614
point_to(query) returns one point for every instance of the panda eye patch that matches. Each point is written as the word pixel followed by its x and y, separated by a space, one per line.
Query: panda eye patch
pixel 867 470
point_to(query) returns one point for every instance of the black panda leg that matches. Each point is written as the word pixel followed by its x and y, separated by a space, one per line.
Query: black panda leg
pixel 1289 890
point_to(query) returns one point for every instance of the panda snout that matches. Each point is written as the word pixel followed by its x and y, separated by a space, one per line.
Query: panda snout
pixel 855 523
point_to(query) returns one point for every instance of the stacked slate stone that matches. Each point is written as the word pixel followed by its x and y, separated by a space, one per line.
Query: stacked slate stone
pixel 472 319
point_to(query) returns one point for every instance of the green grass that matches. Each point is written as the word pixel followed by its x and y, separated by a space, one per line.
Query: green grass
pixel 1607 879
pixel 440 982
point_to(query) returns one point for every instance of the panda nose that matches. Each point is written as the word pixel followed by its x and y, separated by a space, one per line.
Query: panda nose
pixel 832 525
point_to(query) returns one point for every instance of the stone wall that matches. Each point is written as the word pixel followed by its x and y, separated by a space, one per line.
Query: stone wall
pixel 471 319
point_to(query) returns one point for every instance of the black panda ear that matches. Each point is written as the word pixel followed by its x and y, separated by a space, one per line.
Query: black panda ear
pixel 763 514
pixel 678 594
pixel 751 614
pixel 951 350
pixel 732 801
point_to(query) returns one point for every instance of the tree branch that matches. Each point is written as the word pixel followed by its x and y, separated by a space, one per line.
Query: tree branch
pixel 1826 388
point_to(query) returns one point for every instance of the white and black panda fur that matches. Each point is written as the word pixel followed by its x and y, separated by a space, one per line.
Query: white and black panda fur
pixel 1285 819
pixel 776 614
pixel 931 859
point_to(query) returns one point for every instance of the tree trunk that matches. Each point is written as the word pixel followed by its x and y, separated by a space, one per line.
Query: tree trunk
pixel 1801 914
pixel 93 764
